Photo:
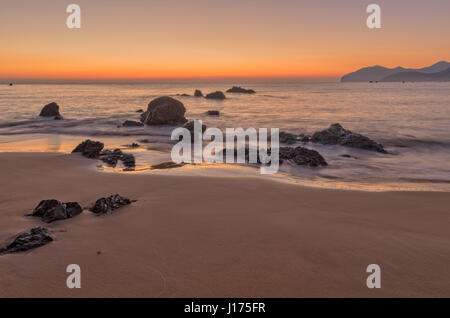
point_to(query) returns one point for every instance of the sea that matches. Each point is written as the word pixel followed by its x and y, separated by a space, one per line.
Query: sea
pixel 411 120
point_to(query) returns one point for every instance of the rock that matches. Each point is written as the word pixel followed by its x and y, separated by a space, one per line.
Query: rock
pixel 109 204
pixel 213 112
pixel 304 138
pixel 134 145
pixel 238 89
pixel 287 138
pixel 164 111
pixel 131 123
pixel 89 148
pixel 216 95
pixel 53 210
pixel 36 237
pixel 337 135
pixel 10 84
pixel 140 111
pixel 302 156
pixel 51 110
pixel 166 165
pixel 185 95
pixel 190 126
pixel 112 157
pixel 198 93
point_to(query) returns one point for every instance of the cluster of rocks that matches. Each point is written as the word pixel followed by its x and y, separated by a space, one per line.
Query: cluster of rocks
pixel 112 157
pixel 238 89
pixel 302 156
pixel 36 237
pixel 93 149
pixel 54 210
pixel 337 135
pixel 109 204
pixel 51 110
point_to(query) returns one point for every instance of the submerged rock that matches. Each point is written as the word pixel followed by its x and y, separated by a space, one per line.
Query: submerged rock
pixel 216 95
pixel 36 237
pixel 132 123
pixel 164 111
pixel 109 204
pixel 302 156
pixel 53 210
pixel 198 93
pixel 287 138
pixel 238 89
pixel 337 135
pixel 213 113
pixel 51 110
pixel 89 148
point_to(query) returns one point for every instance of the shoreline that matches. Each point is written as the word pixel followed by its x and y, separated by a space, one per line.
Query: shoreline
pixel 191 236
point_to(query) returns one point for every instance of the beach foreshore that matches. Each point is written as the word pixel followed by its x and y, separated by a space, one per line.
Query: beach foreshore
pixel 200 236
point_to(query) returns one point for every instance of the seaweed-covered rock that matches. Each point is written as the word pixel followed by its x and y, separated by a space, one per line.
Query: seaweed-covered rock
pixel 89 148
pixel 54 210
pixel 36 237
pixel 302 156
pixel 337 135
pixel 238 89
pixel 216 95
pixel 109 204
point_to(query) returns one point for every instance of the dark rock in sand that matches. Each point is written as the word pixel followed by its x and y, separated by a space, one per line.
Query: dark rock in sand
pixel 36 237
pixel 109 204
pixel 238 89
pixel 112 157
pixel 89 148
pixel 167 165
pixel 337 135
pixel 131 123
pixel 51 110
pixel 302 156
pixel 53 210
pixel 198 93
pixel 164 111
pixel 213 113
pixel 287 138
pixel 216 95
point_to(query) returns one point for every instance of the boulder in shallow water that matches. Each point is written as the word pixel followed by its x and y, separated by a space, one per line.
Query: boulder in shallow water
pixel 302 156
pixel 164 111
pixel 216 95
pixel 337 135
pixel 89 148
pixel 51 110
pixel 36 237
pixel 198 93
pixel 109 204
pixel 53 210
pixel 238 89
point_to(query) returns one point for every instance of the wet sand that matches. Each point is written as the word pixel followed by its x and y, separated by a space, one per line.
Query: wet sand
pixel 194 236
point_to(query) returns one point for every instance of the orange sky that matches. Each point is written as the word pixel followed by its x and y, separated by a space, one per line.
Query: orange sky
pixel 216 38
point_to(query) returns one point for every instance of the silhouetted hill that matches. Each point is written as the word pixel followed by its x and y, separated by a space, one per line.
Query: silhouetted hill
pixel 379 73
pixel 414 76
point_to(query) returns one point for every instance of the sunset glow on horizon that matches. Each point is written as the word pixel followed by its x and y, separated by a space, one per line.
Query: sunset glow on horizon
pixel 197 38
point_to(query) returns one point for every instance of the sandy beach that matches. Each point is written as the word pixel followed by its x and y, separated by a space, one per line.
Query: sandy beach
pixel 190 236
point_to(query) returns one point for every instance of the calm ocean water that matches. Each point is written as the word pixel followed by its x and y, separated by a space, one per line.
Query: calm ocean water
pixel 412 120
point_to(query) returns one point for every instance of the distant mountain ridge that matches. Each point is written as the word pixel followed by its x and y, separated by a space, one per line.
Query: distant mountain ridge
pixel 436 72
